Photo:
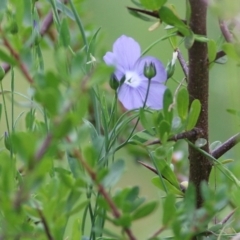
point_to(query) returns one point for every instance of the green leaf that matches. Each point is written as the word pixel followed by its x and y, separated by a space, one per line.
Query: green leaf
pixel 167 101
pixel 170 210
pixel 144 210
pixel 6 58
pixel 76 230
pixel 153 4
pixel 139 15
pixel 201 38
pixel 170 188
pixel 231 50
pixel 89 153
pixel 182 104
pixel 140 138
pixel 114 175
pixel 212 50
pixel 145 121
pixel 64 33
pixel 62 7
pixel 168 16
pixel 194 112
pixel 165 170
pixel 164 129
pixel 189 40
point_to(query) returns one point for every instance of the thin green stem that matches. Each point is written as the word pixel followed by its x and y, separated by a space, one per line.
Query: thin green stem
pixel 12 97
pixel 135 126
pixel 55 11
pixel 80 25
pixel 5 108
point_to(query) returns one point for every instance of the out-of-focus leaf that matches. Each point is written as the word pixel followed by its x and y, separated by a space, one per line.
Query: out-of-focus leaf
pixel 168 16
pixel 139 15
pixel 212 50
pixel 140 138
pixel 194 112
pixel 200 38
pixel 153 4
pixel 144 210
pixel 169 209
pixel 64 33
pixel 76 230
pixel 6 58
pixel 200 142
pixel 232 51
pixel 114 175
pixel 189 40
pixel 214 145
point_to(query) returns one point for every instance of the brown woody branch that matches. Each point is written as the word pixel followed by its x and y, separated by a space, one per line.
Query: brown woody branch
pixel 192 134
pixel 226 146
pixel 198 84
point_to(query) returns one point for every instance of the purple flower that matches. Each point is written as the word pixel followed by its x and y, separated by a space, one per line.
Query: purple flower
pixel 127 60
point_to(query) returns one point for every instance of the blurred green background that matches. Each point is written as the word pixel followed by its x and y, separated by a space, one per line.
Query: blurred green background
pixel 114 20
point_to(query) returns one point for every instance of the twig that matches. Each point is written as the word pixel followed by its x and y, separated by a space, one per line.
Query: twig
pixel 227 35
pixel 225 31
pixel 182 63
pixel 149 13
pixel 45 225
pixel 42 150
pixel 192 134
pixel 102 191
pixel 226 146
pixel 228 217
pixel 17 58
pixel 157 232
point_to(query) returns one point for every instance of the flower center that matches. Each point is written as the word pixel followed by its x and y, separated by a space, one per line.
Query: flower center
pixel 132 79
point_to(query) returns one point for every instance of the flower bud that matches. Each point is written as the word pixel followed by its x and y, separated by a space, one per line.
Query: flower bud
pixel 149 70
pixel 171 65
pixel 113 82
pixel 170 69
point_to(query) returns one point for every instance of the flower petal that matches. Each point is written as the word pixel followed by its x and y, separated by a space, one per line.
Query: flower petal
pixel 161 74
pixel 129 97
pixel 127 51
pixel 155 95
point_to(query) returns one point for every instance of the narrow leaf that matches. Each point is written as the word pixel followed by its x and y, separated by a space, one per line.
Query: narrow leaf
pixel 193 114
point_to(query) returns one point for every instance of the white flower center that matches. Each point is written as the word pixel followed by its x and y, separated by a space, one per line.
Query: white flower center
pixel 132 79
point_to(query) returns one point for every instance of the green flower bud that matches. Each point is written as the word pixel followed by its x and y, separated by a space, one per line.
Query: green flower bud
pixel 149 70
pixel 113 82
pixel 171 65
pixel 170 70
pixel 2 73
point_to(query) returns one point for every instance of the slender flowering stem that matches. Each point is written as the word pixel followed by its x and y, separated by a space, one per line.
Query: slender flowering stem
pixel 138 119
